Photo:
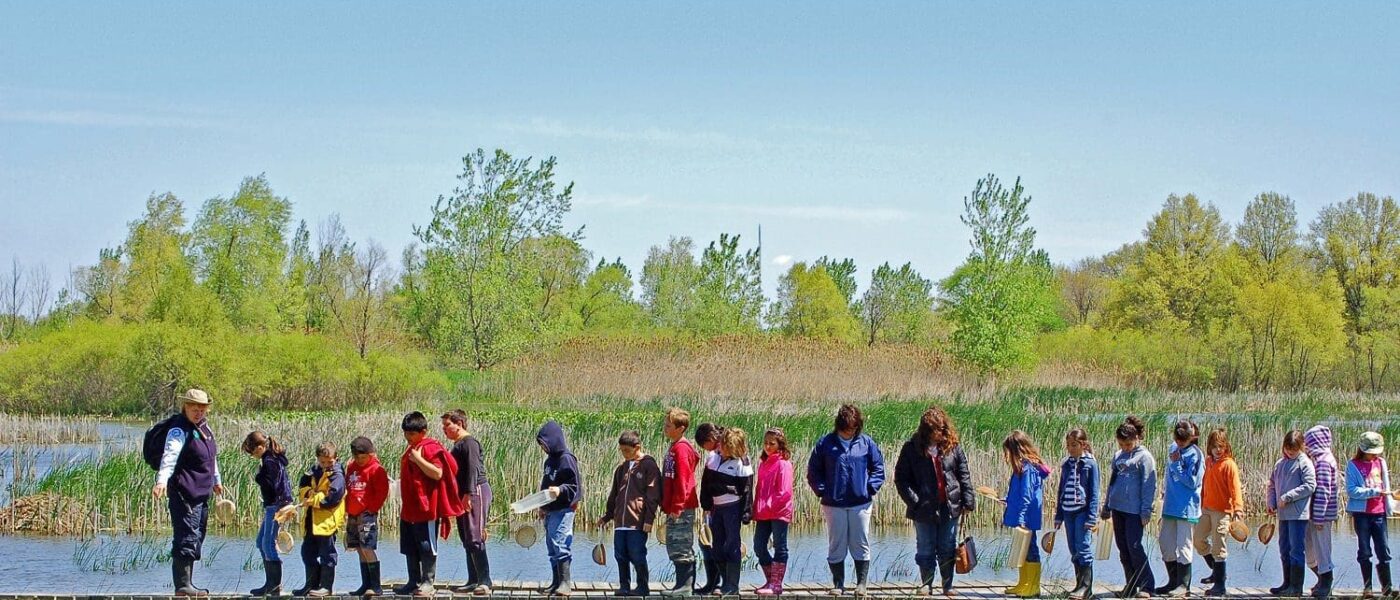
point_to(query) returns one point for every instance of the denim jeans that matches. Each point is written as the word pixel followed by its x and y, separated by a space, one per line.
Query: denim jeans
pixel 1079 538
pixel 1371 538
pixel 935 541
pixel 778 532
pixel 559 535
pixel 1290 543
pixel 630 547
pixel 267 535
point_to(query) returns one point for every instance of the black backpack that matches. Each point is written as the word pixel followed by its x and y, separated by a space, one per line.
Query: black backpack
pixel 154 445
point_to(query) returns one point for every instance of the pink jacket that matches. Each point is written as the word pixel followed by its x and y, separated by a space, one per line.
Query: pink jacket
pixel 773 491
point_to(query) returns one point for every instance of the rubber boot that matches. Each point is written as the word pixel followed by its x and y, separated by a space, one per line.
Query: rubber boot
pixel 1323 589
pixel 624 579
pixel 1021 574
pixel 1183 580
pixel 1032 589
pixel 711 579
pixel 779 572
pixel 838 577
pixel 364 580
pixel 685 580
pixel 427 587
pixel 643 587
pixel 272 585
pixel 1295 582
pixel 182 572
pixel 947 568
pixel 1287 581
pixel 1173 580
pixel 1366 578
pixel 415 572
pixel 767 580
pixel 925 581
pixel 862 574
pixel 327 583
pixel 1217 588
pixel 473 579
pixel 1210 564
pixel 483 572
pixel 373 586
pixel 1383 573
pixel 729 574
pixel 566 584
pixel 1082 587
pixel 313 580
pixel 553 581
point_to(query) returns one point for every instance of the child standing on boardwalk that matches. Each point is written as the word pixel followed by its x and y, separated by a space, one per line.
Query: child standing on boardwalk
pixel 632 502
pixel 1077 508
pixel 1025 501
pixel 428 490
pixel 726 492
pixel 679 499
pixel 1291 486
pixel 561 478
pixel 773 510
pixel 1132 486
pixel 1181 507
pixel 366 488
pixel 846 470
pixel 1368 503
pixel 276 492
pixel 1222 500
pixel 476 500
pixel 707 435
pixel 1323 516
pixel 324 499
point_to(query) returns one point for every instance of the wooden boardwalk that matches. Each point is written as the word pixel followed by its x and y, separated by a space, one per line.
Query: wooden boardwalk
pixel 966 588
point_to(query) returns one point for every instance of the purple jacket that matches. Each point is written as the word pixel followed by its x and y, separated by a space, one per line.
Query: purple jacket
pixel 1325 500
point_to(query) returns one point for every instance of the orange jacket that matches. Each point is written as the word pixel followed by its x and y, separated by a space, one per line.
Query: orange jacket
pixel 1222 490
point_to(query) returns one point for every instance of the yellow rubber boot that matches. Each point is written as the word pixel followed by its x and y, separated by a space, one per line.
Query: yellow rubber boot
pixel 1032 588
pixel 1015 590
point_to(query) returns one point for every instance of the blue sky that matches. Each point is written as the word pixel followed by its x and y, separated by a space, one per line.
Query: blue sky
pixel 844 129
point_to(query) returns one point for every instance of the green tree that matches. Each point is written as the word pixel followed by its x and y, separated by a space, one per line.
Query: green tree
pixel 669 278
pixel 810 304
pixel 240 249
pixel 1084 288
pixel 729 293
pixel 475 284
pixel 1175 282
pixel 1358 243
pixel 843 272
pixel 158 274
pixel 896 306
pixel 605 302
pixel 1003 293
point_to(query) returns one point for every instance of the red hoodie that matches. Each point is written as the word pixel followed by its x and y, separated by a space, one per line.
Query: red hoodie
pixel 678 478
pixel 366 487
pixel 425 500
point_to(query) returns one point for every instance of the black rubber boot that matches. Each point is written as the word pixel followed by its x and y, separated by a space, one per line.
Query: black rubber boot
pixel 1183 580
pixel 1366 578
pixel 685 580
pixel 925 581
pixel 711 579
pixel 1287 581
pixel 643 587
pixel 1323 589
pixel 624 579
pixel 838 578
pixel 313 580
pixel 1083 582
pixel 1295 582
pixel 566 584
pixel 1173 577
pixel 946 568
pixel 327 583
pixel 1210 564
pixel 731 579
pixel 1383 573
pixel 426 584
pixel 375 588
pixel 862 573
pixel 182 572
pixel 272 584
pixel 483 571
pixel 415 571
pixel 1217 588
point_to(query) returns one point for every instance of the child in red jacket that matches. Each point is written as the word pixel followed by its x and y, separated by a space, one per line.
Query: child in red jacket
pixel 428 488
pixel 367 487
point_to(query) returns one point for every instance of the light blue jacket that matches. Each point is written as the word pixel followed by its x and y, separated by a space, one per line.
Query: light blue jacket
pixel 1182 498
pixel 1132 483
pixel 1357 491
pixel 1292 484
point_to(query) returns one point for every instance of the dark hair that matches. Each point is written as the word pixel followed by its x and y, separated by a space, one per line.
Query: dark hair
pixel 1137 424
pixel 678 417
pixel 707 432
pixel 457 416
pixel 1079 435
pixel 1220 438
pixel 415 422
pixel 936 420
pixel 629 438
pixel 258 438
pixel 1186 433
pixel 848 417
pixel 325 450
pixel 1293 440
pixel 361 445
pixel 1127 432
pixel 781 438
pixel 1363 457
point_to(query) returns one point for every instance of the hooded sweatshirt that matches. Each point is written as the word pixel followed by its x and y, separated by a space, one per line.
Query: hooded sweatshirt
pixel 1222 491
pixel 1292 485
pixel 272 480
pixel 366 487
pixel 1025 497
pixel 1132 484
pixel 1325 500
pixel 1079 487
pixel 560 468
pixel 1185 475
pixel 426 500
pixel 678 487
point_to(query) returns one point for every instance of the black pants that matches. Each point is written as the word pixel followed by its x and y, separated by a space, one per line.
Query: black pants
pixel 319 550
pixel 190 519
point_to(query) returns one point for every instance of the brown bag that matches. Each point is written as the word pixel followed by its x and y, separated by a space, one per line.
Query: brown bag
pixel 965 559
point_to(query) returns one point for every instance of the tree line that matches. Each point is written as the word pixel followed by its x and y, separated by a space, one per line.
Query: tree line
pixel 495 274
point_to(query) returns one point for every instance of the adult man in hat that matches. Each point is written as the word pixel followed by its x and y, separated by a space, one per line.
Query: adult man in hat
pixel 189 475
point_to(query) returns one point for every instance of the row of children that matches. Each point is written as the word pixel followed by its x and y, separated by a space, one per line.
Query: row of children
pixel 438 487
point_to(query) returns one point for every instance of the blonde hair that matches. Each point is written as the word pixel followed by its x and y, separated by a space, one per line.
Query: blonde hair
pixel 734 443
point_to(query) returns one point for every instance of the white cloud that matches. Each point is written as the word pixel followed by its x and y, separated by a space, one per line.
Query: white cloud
pixel 782 260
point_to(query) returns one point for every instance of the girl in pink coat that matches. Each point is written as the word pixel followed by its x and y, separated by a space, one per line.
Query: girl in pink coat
pixel 773 510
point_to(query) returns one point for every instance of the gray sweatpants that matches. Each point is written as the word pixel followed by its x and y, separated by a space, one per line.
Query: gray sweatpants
pixel 1317 544
pixel 847 531
pixel 1174 539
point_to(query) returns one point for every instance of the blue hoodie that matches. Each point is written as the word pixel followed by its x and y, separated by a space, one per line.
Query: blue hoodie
pixel 1025 497
pixel 845 474
pixel 1185 475
pixel 560 468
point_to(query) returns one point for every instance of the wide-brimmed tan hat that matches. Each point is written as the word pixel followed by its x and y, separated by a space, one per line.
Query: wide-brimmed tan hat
pixel 1372 443
pixel 225 510
pixel 1239 530
pixel 285 543
pixel 195 396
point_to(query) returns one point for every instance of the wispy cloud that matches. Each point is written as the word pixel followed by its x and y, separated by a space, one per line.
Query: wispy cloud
pixel 782 260
pixel 799 212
